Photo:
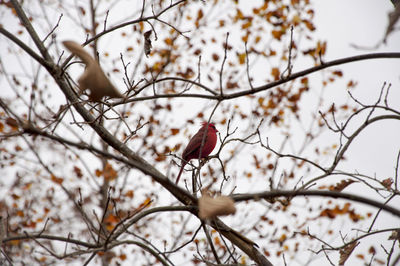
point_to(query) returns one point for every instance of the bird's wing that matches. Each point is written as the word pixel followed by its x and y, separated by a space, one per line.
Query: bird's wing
pixel 193 146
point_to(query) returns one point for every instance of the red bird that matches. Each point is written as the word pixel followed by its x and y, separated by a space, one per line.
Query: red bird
pixel 192 150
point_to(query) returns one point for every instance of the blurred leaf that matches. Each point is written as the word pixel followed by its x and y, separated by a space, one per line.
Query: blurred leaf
pixel 242 58
pixel 57 180
pixel 174 131
pixel 275 73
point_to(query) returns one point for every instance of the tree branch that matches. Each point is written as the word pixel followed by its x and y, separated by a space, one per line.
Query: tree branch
pixel 321 193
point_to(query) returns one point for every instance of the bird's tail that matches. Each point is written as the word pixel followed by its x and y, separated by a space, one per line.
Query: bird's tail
pixel 180 172
pixel 78 50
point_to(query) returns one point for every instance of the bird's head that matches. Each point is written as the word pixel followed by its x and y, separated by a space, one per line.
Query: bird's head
pixel 210 126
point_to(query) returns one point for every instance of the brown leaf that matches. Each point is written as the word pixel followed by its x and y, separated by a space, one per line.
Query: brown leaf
pixel 78 171
pixel 387 183
pixel 93 78
pixel 168 41
pixel 129 194
pixel 395 235
pixel 200 15
pixel 275 73
pixel 147 43
pixel 341 185
pixel 337 210
pixel 242 58
pixel 12 123
pixel 346 251
pixel 109 173
pixel 212 207
pixel 247 24
pixel 215 57
pixel 338 73
pixel 277 34
pixel 174 131
pixel 57 180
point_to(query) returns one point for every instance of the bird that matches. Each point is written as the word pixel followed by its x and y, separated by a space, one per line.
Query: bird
pixel 93 78
pixel 195 149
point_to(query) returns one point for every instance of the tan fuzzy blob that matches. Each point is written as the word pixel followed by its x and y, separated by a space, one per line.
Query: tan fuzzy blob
pixel 93 78
pixel 212 207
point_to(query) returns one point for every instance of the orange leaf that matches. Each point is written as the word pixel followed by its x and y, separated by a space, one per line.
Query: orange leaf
pixel 146 203
pixel 275 73
pixel 129 194
pixel 277 34
pixel 174 131
pixel 15 242
pixel 200 15
pixel 242 58
pixel 282 238
pixel 239 15
pixel 309 25
pixel 109 173
pixel 112 219
pixel 98 173
pixel 168 41
pixel 246 25
pixel 57 180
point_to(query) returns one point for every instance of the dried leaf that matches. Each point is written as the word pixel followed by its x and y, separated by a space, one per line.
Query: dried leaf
pixel 346 251
pixel 247 24
pixel 147 43
pixel 174 131
pixel 129 194
pixel 212 207
pixel 93 78
pixel 78 171
pixel 12 123
pixel 341 185
pixel 109 173
pixel 277 34
pixel 242 58
pixel 275 73
pixel 215 57
pixel 337 210
pixel 338 73
pixel 395 235
pixel 57 180
pixel 168 41
pixel 387 183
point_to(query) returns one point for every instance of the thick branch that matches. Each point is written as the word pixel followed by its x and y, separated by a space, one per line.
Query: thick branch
pixel 320 193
